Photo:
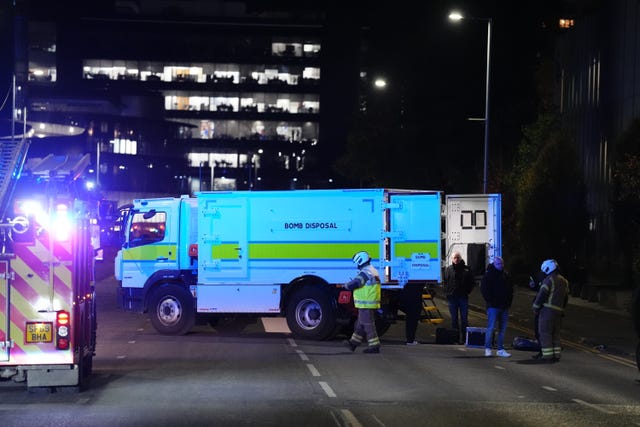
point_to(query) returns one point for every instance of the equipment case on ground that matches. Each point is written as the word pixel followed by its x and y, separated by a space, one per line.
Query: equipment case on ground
pixel 476 337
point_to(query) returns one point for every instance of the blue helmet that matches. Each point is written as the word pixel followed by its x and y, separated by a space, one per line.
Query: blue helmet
pixel 361 258
pixel 549 266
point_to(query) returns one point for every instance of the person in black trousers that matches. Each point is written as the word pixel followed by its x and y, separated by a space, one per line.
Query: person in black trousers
pixel 458 284
pixel 412 306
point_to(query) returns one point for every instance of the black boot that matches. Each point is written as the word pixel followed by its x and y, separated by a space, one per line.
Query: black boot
pixel 372 350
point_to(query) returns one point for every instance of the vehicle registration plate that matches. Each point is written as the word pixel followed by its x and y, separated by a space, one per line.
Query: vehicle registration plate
pixel 39 332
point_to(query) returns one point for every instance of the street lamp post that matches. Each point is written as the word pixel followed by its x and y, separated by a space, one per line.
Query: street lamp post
pixel 456 16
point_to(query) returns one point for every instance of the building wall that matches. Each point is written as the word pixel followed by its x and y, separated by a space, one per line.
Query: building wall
pixel 598 86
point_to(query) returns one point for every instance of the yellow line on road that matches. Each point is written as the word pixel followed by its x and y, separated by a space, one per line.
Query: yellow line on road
pixel 575 345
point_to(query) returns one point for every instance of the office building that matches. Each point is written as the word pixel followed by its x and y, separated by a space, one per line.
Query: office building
pixel 181 96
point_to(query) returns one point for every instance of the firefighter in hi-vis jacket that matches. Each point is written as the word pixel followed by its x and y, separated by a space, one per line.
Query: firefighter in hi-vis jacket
pixel 366 298
pixel 550 304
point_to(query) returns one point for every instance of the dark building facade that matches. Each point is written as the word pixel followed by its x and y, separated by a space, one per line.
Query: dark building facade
pixel 598 75
pixel 176 97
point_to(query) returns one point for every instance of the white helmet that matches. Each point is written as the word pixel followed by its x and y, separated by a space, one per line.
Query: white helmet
pixel 549 266
pixel 361 258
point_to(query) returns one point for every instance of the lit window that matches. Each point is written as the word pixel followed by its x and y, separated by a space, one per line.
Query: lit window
pixel 566 23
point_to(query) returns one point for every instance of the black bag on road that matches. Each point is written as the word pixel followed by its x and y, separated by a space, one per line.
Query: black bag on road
pixel 526 344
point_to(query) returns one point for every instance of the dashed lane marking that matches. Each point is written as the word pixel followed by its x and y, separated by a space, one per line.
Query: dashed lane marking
pixel 313 370
pixel 302 355
pixel 327 389
pixel 292 342
pixel 548 388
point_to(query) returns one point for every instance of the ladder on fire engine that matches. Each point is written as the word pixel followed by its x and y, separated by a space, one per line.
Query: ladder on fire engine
pixel 430 312
pixel 12 157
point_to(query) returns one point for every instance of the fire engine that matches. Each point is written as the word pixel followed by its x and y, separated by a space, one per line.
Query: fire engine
pixel 272 253
pixel 47 304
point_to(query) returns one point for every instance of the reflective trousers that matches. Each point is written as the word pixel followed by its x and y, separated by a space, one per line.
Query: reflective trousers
pixel 549 324
pixel 365 328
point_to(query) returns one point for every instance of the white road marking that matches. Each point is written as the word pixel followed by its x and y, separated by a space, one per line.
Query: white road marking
pixel 327 389
pixel 132 342
pixel 592 406
pixel 313 370
pixel 349 418
pixel 302 355
pixel 121 357
pixel 292 342
pixel 378 420
pixel 546 387
pixel 500 367
pixel 335 419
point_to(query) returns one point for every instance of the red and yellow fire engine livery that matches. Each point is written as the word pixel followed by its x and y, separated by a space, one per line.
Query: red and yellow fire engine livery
pixel 47 311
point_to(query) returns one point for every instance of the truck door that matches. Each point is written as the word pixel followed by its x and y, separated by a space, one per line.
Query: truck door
pixel 414 236
pixel 4 313
pixel 151 247
pixel 474 228
pixel 222 238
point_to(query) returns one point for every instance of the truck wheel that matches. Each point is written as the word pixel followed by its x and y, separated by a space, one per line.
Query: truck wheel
pixel 171 310
pixel 310 314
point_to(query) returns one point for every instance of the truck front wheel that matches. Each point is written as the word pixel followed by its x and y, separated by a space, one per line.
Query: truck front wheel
pixel 171 310
pixel 311 314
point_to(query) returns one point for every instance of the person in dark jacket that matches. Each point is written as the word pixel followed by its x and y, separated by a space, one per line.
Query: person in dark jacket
pixel 497 292
pixel 458 284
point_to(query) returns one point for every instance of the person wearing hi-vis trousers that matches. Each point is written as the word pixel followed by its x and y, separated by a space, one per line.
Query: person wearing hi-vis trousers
pixel 550 304
pixel 366 297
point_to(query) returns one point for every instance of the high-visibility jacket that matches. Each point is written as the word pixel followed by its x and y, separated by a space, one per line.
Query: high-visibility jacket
pixel 553 293
pixel 366 288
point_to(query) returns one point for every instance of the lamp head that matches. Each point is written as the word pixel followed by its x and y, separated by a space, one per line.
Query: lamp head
pixel 455 16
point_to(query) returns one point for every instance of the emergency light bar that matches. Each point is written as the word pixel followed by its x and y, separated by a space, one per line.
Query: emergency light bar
pixel 58 222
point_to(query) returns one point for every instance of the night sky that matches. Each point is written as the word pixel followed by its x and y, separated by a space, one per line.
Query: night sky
pixel 440 68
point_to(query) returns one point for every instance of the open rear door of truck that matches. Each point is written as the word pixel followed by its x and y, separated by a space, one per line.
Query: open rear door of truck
pixel 474 228
pixel 415 236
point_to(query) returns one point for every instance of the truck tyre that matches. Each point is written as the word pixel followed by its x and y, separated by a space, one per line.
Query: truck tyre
pixel 311 314
pixel 171 310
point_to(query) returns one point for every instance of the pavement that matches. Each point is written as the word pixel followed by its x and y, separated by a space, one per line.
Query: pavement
pixel 605 329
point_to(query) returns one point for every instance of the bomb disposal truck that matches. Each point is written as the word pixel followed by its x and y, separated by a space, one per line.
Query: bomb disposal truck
pixel 47 307
pixel 275 253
